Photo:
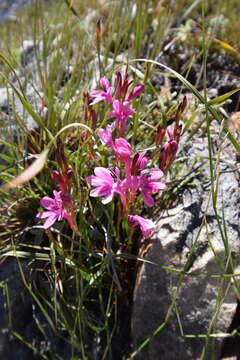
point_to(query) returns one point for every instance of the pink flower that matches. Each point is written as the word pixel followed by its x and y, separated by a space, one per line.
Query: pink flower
pixel 147 226
pixel 121 112
pixel 137 90
pixel 149 185
pixel 121 88
pixel 146 183
pixel 105 94
pixel 106 136
pixel 105 185
pixel 55 210
pixel 121 85
pixel 123 149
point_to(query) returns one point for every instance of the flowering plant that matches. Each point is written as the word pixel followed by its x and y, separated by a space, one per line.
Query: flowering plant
pixel 128 174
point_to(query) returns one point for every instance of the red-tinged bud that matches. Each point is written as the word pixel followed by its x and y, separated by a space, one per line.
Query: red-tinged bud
pixel 183 104
pixel 122 85
pixel 90 113
pixel 160 135
pixel 59 180
pixel 61 158
pixel 177 132
pixel 169 155
pixel 136 91
pixel 118 84
pixel 93 115
pixel 180 109
pixel 98 34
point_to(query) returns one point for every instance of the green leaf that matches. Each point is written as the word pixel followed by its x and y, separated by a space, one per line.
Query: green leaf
pixel 7 158
pixel 222 98
pixel 27 106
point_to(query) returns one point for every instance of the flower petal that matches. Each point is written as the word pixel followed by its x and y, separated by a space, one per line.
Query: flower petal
pixel 147 226
pixel 47 203
pixel 50 221
pixel 148 200
pixel 45 214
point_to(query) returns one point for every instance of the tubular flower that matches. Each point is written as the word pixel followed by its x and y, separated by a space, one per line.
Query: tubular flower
pixel 137 90
pixel 105 185
pixel 123 149
pixel 122 83
pixel 148 185
pixel 55 210
pixel 106 136
pixel 105 94
pixel 121 111
pixel 147 226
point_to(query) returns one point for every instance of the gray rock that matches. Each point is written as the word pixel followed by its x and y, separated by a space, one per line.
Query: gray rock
pixel 13 112
pixel 183 308
pixel 19 313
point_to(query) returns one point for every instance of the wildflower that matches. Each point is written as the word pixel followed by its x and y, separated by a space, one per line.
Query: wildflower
pixel 137 90
pixel 146 183
pixel 121 111
pixel 64 183
pixel 147 226
pixel 105 94
pixel 55 210
pixel 123 149
pixel 105 185
pixel 122 85
pixel 106 136
pixel 149 185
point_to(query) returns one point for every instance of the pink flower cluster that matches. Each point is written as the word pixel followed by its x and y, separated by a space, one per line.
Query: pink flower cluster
pixel 130 174
pixel 119 99
pixel 135 178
